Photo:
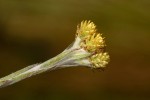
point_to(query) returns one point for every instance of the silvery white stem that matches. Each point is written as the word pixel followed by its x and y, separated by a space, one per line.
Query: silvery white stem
pixel 72 56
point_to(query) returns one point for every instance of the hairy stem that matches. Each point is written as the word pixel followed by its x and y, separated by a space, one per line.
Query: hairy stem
pixel 29 71
pixel 69 57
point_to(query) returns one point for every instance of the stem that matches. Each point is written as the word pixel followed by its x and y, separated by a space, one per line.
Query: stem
pixel 70 57
pixel 29 71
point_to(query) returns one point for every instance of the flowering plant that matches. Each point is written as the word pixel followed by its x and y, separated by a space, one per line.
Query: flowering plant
pixel 88 49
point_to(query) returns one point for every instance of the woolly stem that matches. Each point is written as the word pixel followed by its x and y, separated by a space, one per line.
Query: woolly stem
pixel 29 71
pixel 70 57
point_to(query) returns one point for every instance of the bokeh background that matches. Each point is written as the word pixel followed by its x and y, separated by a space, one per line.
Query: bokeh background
pixel 32 31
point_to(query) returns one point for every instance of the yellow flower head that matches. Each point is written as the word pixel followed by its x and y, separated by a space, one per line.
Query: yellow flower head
pixel 100 60
pixel 94 43
pixel 86 29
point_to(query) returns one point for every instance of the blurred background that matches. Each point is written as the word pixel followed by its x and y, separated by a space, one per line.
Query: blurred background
pixel 32 31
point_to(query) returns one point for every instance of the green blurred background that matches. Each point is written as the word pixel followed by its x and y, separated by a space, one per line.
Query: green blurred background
pixel 32 31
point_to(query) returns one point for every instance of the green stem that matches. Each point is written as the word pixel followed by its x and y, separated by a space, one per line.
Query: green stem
pixel 34 69
pixel 70 57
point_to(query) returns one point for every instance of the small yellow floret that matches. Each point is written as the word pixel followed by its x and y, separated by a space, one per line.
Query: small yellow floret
pixel 94 43
pixel 85 29
pixel 100 60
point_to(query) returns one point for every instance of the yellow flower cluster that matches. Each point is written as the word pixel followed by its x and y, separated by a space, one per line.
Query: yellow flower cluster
pixel 100 60
pixel 86 29
pixel 94 43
